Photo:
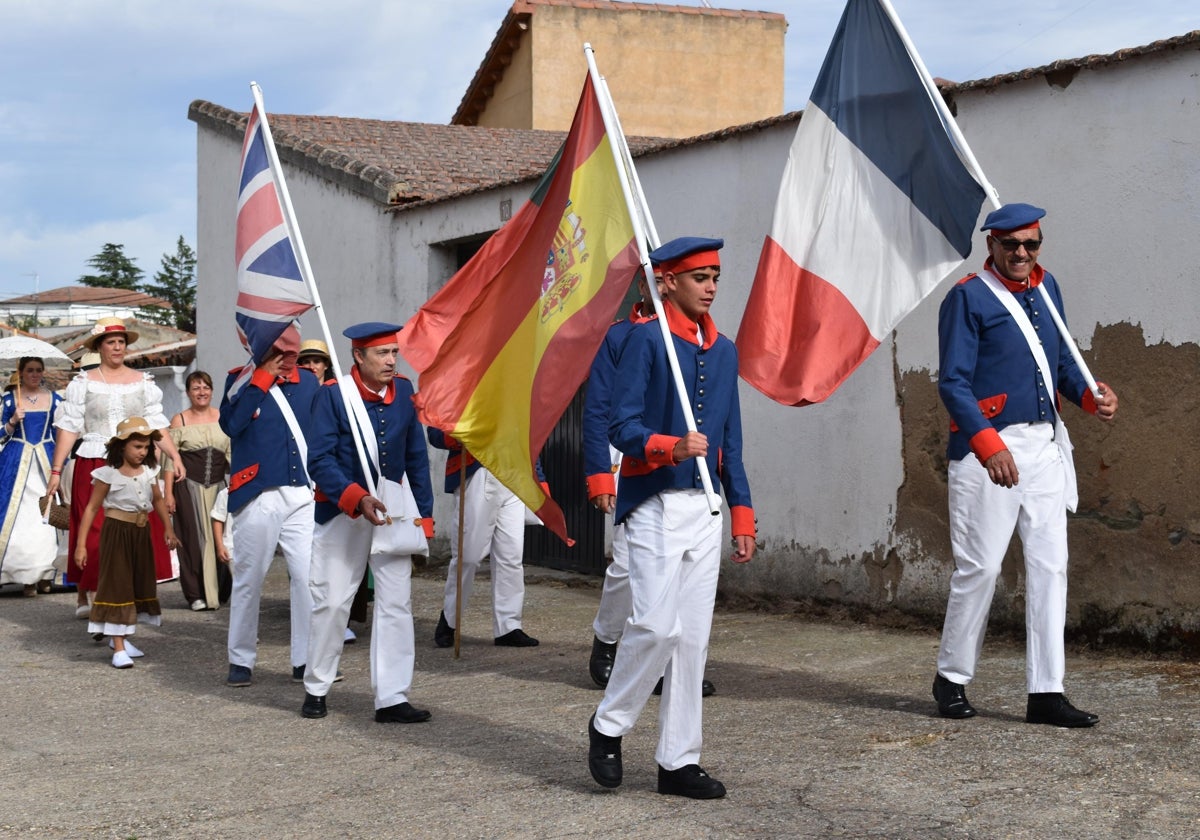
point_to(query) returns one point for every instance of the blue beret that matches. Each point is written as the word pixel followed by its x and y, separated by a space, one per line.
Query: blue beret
pixel 370 329
pixel 1012 217
pixel 682 247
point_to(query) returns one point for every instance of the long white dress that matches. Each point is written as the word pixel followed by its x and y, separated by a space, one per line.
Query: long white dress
pixel 28 546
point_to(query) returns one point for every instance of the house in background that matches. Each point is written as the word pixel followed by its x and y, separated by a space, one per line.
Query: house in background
pixel 68 308
pixel 659 61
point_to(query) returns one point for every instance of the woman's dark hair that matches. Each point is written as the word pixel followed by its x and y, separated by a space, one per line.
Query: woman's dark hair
pixel 25 360
pixel 114 451
pixel 193 376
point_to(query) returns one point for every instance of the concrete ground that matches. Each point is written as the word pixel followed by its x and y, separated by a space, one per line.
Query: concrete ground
pixel 817 730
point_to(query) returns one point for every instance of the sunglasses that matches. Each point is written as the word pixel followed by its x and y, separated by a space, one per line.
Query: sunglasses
pixel 1031 245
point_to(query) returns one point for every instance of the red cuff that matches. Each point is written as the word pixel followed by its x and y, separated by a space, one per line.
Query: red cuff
pixel 601 484
pixel 262 379
pixel 427 526
pixel 660 450
pixel 545 485
pixel 451 441
pixel 742 521
pixel 986 443
pixel 351 496
pixel 1088 403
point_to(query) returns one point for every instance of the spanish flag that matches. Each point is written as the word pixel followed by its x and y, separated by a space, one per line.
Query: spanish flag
pixel 501 349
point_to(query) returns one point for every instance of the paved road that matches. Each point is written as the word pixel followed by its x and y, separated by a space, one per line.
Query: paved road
pixel 818 730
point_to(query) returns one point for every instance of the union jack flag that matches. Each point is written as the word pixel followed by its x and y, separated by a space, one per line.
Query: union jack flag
pixel 272 293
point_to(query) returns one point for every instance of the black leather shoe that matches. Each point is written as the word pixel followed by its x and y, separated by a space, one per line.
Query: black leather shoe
pixel 601 664
pixel 707 689
pixel 401 713
pixel 1056 710
pixel 952 699
pixel 690 781
pixel 604 756
pixel 443 636
pixel 314 706
pixel 516 638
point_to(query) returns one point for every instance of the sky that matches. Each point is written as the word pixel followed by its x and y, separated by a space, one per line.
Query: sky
pixel 96 146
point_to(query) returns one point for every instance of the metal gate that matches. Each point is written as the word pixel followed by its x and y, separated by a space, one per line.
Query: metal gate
pixel 562 461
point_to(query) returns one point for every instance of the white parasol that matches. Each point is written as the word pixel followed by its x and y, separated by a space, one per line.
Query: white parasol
pixel 16 346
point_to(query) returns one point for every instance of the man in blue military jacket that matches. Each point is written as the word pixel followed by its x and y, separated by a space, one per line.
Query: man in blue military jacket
pixel 347 515
pixel 1007 469
pixel 674 540
pixel 616 603
pixel 270 495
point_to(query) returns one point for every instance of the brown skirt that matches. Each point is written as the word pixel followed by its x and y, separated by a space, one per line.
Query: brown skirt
pixel 127 585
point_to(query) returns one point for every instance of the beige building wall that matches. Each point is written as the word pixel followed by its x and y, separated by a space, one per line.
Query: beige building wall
pixel 511 102
pixel 672 74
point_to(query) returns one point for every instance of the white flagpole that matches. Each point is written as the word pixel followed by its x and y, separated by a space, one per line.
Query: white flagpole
pixel 969 159
pixel 306 272
pixel 636 213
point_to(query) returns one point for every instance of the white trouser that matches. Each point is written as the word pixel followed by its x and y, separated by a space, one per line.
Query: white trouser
pixel 495 525
pixel 982 518
pixel 616 601
pixel 341 553
pixel 674 557
pixel 280 516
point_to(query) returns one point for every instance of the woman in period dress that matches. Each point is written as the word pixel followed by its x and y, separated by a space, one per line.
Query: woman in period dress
pixel 28 546
pixel 96 401
pixel 204 448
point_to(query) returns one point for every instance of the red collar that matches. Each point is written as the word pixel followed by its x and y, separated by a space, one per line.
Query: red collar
pixel 1035 277
pixel 292 378
pixel 684 327
pixel 638 313
pixel 371 396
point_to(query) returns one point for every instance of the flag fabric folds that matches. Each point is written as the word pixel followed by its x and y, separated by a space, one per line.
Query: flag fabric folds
pixel 875 209
pixel 504 345
pixel 272 293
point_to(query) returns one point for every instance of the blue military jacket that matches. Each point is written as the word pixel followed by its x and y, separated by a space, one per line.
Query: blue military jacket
pixel 441 440
pixel 647 419
pixel 989 378
pixel 264 450
pixel 333 459
pixel 597 462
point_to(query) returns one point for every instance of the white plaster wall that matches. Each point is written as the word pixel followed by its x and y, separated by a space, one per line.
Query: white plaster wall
pixel 1113 159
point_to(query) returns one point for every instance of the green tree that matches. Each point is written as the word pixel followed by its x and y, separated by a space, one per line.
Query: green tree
pixel 176 282
pixel 113 269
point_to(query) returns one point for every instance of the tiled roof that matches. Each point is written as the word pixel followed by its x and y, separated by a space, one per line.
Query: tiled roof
pixel 88 296
pixel 1065 69
pixel 402 163
pixel 410 164
pixel 516 22
pixel 157 344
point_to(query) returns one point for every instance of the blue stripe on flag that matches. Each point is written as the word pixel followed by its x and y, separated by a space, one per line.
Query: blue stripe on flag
pixel 255 160
pixel 278 261
pixel 871 90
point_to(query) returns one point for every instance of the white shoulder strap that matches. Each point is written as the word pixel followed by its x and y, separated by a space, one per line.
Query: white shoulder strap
pixel 290 416
pixel 1035 346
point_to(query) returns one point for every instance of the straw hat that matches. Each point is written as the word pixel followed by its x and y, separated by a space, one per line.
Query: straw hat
pixel 13 381
pixel 89 360
pixel 110 326
pixel 135 426
pixel 314 347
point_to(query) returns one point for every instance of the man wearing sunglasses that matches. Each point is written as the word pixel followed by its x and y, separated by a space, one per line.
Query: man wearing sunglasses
pixel 1003 365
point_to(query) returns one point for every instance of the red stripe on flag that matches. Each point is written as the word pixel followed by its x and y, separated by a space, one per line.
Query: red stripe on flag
pixel 272 306
pixel 800 337
pixel 258 215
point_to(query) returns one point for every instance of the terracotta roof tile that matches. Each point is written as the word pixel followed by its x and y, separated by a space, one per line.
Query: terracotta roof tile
pixel 90 295
pixel 403 163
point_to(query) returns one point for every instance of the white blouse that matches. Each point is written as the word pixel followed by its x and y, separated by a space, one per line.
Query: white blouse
pixel 93 410
pixel 130 493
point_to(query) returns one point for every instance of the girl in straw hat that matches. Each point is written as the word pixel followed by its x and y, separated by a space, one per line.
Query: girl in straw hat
pixel 127 489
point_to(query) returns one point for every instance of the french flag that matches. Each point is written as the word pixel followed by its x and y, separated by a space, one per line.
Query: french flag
pixel 272 293
pixel 875 209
